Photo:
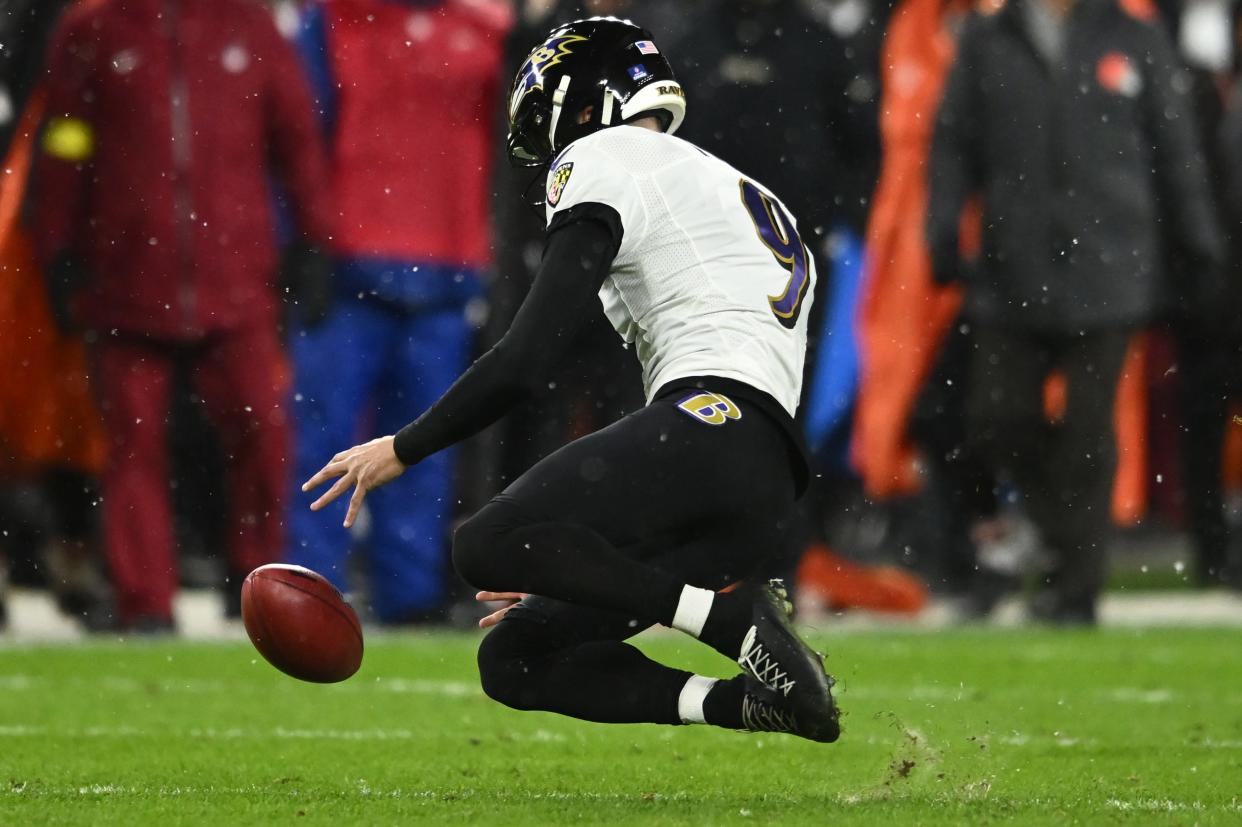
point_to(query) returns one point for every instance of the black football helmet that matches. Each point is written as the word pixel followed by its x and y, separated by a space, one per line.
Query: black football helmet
pixel 609 63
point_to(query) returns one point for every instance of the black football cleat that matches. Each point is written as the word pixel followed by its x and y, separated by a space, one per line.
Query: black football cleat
pixel 778 660
pixel 766 711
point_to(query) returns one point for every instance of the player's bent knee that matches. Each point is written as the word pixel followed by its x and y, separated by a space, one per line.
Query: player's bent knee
pixel 478 548
pixel 473 543
pixel 503 673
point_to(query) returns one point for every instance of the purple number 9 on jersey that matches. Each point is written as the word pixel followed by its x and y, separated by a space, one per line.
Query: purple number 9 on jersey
pixel 776 230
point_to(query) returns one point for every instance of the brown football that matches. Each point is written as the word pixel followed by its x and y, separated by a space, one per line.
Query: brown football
pixel 301 624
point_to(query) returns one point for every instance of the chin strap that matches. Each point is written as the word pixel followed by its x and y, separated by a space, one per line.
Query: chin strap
pixel 605 117
pixel 537 201
pixel 558 101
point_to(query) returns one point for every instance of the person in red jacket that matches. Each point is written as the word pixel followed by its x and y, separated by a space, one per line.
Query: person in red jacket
pixel 409 91
pixel 152 214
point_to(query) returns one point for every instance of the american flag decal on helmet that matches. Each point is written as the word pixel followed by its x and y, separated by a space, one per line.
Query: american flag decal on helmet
pixel 646 47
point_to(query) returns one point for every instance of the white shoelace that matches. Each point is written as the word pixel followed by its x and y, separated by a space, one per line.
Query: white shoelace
pixel 758 716
pixel 760 663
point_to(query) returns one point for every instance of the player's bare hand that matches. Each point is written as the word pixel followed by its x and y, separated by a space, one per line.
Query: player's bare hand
pixel 496 616
pixel 365 467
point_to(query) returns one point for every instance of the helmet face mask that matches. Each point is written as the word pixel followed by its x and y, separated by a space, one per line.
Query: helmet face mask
pixel 528 136
pixel 609 65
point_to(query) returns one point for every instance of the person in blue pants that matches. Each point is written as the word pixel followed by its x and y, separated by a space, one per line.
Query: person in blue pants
pixel 410 245
pixel 369 365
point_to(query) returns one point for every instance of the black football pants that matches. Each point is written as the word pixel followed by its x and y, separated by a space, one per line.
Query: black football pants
pixel 605 532
pixel 1065 469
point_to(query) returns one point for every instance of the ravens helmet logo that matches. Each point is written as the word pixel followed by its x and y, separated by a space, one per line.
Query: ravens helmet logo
pixel 545 56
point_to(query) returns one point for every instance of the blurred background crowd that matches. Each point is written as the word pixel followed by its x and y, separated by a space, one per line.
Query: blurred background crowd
pixel 237 237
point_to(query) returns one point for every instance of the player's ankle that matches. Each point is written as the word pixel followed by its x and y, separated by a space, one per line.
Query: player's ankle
pixel 723 705
pixel 719 619
pixel 711 701
pixel 692 608
pixel 728 623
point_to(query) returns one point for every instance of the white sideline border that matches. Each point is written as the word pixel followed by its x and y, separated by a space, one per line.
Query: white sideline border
pixel 33 617
pixel 1216 608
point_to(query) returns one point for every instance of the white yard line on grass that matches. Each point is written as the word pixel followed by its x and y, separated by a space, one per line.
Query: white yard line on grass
pixel 364 790
pixel 17 682
pixel 538 736
pixel 930 693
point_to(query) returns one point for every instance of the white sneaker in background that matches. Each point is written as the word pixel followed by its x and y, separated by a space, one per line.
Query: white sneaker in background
pixel 1007 545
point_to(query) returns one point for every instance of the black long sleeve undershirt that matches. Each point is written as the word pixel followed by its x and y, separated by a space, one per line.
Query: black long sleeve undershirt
pixel 578 253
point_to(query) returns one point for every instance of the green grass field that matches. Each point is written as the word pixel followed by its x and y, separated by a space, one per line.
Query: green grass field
pixel 970 726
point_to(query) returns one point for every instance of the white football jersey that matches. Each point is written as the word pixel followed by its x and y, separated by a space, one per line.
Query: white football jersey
pixel 712 277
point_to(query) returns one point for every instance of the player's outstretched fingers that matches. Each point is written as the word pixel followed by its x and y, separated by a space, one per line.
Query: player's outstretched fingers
pixel 355 503
pixel 333 469
pixel 335 491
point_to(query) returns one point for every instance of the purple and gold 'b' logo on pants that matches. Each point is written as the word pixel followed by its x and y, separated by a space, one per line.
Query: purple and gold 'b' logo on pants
pixel 710 408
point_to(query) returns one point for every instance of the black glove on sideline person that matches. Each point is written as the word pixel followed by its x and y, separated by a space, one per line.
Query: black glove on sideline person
pixel 306 279
pixel 64 278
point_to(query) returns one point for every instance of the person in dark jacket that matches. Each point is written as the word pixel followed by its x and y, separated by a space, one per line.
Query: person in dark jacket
pixel 774 85
pixel 152 215
pixel 1068 120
